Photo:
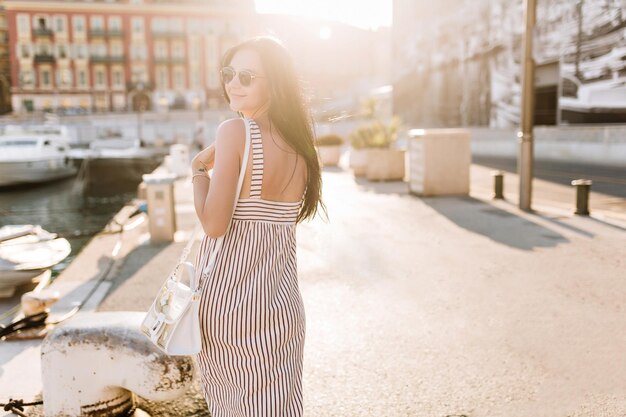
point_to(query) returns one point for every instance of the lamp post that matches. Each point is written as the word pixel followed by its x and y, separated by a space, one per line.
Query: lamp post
pixel 525 135
pixel 140 107
pixel 198 139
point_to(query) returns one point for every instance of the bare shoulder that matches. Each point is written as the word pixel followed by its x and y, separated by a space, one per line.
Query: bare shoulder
pixel 231 135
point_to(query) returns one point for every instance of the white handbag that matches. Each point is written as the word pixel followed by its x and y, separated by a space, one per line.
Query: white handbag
pixel 172 323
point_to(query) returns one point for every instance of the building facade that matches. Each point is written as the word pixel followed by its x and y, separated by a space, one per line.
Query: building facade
pixel 5 69
pixel 457 62
pixel 101 56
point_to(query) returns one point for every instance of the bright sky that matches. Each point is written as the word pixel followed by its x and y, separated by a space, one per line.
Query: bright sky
pixel 362 13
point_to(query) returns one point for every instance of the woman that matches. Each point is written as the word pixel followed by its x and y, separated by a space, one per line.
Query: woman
pixel 251 311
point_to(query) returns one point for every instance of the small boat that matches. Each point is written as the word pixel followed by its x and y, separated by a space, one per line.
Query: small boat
pixel 26 251
pixel 34 154
pixel 115 163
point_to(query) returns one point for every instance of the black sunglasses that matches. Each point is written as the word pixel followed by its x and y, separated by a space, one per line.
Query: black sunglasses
pixel 245 76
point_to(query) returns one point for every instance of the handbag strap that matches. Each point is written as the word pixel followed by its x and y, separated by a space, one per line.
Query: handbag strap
pixel 242 173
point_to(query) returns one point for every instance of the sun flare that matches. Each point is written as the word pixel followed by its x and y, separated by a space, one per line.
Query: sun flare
pixel 369 14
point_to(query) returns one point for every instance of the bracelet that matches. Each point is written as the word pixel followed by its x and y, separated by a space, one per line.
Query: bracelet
pixel 200 175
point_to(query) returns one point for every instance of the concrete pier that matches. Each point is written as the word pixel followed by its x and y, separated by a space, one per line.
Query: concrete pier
pixel 415 306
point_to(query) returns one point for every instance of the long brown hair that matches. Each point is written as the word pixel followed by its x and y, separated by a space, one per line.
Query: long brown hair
pixel 288 112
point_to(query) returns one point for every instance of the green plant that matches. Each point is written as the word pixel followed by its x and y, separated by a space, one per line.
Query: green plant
pixel 375 134
pixel 329 140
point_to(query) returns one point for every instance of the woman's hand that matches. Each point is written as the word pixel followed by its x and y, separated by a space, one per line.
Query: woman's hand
pixel 204 159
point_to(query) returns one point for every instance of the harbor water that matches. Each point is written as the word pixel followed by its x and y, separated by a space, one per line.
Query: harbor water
pixel 65 208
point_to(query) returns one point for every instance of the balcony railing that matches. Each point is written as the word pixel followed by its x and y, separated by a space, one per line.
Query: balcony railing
pixel 107 58
pixel 168 33
pixel 134 86
pixel 44 57
pixel 115 33
pixel 42 31
pixel 97 32
pixel 170 60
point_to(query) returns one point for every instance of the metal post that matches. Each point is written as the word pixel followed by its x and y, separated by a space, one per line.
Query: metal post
pixel 498 177
pixel 583 187
pixel 525 135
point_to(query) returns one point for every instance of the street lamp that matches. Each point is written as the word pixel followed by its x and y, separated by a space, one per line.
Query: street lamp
pixel 525 135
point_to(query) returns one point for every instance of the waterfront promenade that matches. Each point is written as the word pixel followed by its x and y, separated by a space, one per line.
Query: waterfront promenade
pixel 423 306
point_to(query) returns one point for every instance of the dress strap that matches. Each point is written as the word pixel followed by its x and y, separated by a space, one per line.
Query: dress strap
pixel 257 160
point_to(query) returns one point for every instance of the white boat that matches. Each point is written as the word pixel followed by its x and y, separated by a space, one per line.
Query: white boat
pixel 26 251
pixel 115 163
pixel 34 154
pixel 113 148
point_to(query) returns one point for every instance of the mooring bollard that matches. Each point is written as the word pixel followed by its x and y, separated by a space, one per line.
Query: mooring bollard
pixel 92 364
pixel 583 187
pixel 498 184
pixel 161 206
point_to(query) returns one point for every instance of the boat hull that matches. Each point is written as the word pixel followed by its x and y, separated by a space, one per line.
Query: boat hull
pixel 36 171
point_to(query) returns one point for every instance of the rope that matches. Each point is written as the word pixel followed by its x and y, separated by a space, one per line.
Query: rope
pixel 17 406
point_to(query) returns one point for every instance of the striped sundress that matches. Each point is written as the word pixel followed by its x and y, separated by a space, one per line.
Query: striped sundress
pixel 251 311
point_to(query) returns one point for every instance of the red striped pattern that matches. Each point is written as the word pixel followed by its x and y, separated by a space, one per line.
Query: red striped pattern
pixel 251 312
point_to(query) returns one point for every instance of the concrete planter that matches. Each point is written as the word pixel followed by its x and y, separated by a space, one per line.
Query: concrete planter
pixel 358 161
pixel 329 155
pixel 385 164
pixel 439 162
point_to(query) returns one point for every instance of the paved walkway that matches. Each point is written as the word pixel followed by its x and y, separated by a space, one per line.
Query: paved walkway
pixel 441 306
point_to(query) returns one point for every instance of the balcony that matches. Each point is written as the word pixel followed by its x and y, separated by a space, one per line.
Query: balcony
pixel 107 59
pixel 97 32
pixel 44 58
pixel 169 34
pixel 135 86
pixel 43 32
pixel 169 60
pixel 115 33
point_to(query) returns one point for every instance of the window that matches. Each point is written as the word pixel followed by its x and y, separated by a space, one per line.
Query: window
pixel 82 77
pixel 79 24
pixel 137 24
pixel 45 77
pixel 100 77
pixel 194 25
pixel 211 50
pixel 178 50
pixel 162 77
pixel 64 77
pixel 138 51
pixel 213 78
pixel 115 23
pixel 80 51
pixel 195 78
pixel 158 24
pixel 176 24
pixel 25 50
pixel 44 49
pixel 26 78
pixel 40 22
pixel 98 49
pixel 194 49
pixel 118 79
pixel 179 79
pixel 59 23
pixel 23 26
pixel 117 49
pixel 96 22
pixel 62 51
pixel 160 50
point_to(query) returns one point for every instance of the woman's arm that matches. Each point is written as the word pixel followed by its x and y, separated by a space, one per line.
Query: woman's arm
pixel 214 197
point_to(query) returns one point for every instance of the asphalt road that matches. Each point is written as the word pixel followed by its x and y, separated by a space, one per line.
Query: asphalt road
pixel 606 180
